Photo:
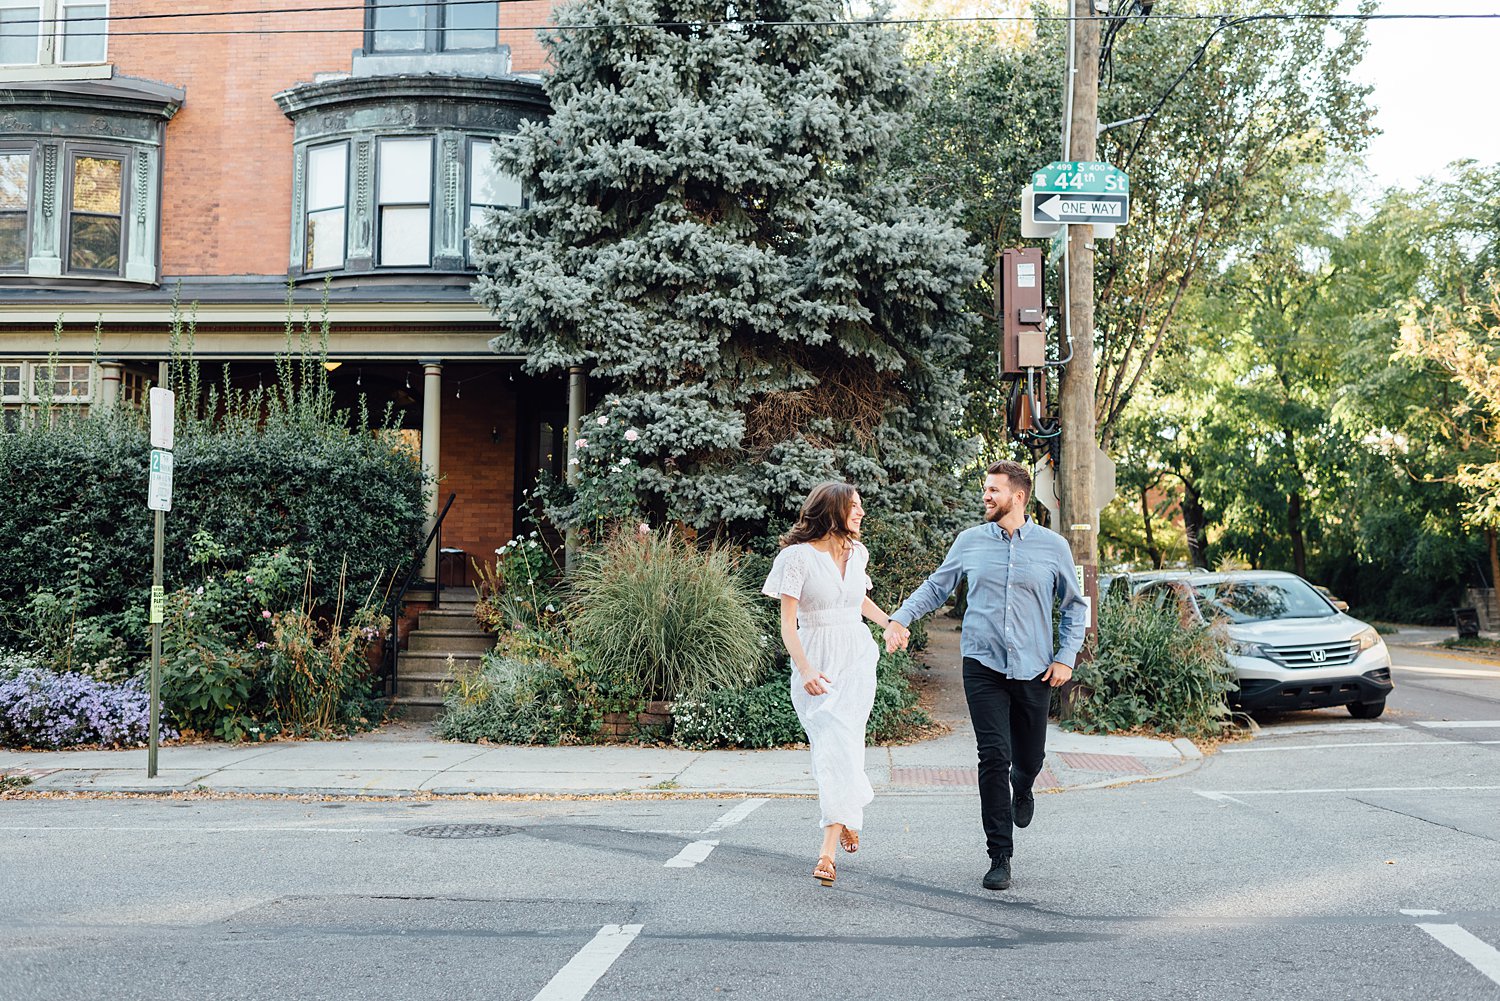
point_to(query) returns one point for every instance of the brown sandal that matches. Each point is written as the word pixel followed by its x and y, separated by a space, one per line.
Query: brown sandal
pixel 824 872
pixel 849 840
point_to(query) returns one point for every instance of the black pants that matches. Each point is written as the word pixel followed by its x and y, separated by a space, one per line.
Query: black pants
pixel 1010 725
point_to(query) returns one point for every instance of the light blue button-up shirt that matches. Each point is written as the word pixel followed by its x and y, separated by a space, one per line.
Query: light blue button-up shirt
pixel 1013 578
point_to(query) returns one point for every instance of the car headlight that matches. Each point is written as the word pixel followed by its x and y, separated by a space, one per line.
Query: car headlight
pixel 1242 649
pixel 1366 638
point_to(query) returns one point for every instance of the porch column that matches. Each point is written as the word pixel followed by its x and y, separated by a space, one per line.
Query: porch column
pixel 432 424
pixel 577 400
pixel 109 384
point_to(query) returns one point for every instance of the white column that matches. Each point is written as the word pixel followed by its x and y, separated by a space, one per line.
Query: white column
pixel 577 401
pixel 432 427
pixel 110 373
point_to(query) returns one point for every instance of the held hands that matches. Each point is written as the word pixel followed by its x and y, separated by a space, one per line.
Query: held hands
pixel 1057 674
pixel 815 682
pixel 896 636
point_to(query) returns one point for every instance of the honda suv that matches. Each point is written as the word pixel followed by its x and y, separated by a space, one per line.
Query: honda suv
pixel 1289 645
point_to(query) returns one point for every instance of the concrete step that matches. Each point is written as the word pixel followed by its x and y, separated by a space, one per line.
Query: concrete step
pixel 417 709
pixel 447 618
pixel 420 689
pixel 456 643
pixel 431 664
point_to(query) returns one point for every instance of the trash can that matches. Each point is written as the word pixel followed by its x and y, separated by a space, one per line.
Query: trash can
pixel 1467 620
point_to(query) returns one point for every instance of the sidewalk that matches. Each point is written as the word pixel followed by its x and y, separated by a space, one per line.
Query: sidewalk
pixel 405 760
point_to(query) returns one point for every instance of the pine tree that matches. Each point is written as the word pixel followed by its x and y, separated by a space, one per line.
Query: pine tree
pixel 712 231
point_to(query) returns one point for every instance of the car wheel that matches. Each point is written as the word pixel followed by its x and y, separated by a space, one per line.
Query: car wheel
pixel 1366 710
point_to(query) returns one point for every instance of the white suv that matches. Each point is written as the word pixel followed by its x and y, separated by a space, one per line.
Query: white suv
pixel 1290 647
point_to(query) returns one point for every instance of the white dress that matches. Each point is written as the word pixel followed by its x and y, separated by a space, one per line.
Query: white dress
pixel 837 643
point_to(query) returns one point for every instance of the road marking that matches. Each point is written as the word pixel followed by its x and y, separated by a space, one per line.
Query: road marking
pixel 258 829
pixel 1461 724
pixel 1447 672
pixel 736 815
pixel 1221 797
pixel 1475 951
pixel 690 856
pixel 1350 727
pixel 583 971
pixel 1417 912
pixel 1346 744
pixel 1229 793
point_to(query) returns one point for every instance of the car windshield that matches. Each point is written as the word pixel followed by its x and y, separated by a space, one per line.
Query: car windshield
pixel 1258 600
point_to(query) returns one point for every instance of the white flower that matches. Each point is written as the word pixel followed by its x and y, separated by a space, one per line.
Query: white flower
pixel 581 443
pixel 632 434
pixel 533 533
pixel 602 420
pixel 532 544
pixel 624 461
pixel 551 609
pixel 573 461
pixel 500 552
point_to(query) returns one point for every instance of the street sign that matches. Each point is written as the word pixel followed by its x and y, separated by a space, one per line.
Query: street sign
pixel 1074 177
pixel 1055 208
pixel 158 604
pixel 159 493
pixel 163 402
pixel 1044 485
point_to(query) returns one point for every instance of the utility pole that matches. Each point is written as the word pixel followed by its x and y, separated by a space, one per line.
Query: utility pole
pixel 1079 441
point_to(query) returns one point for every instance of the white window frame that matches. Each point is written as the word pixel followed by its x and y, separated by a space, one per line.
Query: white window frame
pixel 53 21
pixel 33 373
pixel 308 211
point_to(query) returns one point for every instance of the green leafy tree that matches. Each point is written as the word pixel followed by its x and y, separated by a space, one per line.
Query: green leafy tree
pixel 714 235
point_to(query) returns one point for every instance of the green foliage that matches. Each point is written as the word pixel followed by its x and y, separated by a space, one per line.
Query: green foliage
pixel 521 589
pixel 713 231
pixel 673 618
pixel 1153 672
pixel 515 700
pixel 762 716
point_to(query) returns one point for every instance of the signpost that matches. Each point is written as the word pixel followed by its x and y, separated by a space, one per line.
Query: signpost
pixel 159 500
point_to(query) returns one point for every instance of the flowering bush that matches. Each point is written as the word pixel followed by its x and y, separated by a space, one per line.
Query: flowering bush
pixel 520 590
pixel 42 709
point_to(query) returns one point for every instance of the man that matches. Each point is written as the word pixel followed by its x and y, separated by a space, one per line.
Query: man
pixel 1015 568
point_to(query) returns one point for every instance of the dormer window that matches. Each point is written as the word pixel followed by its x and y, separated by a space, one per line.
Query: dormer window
pixel 398 26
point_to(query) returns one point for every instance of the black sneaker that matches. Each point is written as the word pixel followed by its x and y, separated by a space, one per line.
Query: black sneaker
pixel 998 878
pixel 1023 808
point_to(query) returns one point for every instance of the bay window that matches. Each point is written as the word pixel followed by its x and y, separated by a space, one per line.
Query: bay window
pixel 15 204
pixel 96 202
pixel 327 201
pixel 405 202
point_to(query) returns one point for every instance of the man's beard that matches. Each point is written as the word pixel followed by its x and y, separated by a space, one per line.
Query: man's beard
pixel 999 511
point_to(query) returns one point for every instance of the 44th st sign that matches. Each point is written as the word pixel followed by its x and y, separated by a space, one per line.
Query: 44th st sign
pixel 1074 192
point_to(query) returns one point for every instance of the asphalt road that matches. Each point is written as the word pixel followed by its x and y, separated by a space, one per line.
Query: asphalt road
pixel 1329 858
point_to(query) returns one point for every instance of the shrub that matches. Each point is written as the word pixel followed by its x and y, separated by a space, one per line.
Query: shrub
pixel 1153 672
pixel 763 716
pixel 48 710
pixel 520 699
pixel 664 617
pixel 520 590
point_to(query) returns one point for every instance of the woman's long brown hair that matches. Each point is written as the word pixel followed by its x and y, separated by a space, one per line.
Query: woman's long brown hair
pixel 824 513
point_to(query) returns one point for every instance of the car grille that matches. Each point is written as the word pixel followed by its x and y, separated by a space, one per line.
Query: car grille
pixel 1315 654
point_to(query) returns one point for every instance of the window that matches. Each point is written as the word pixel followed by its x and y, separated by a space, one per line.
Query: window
pixel 10 382
pixel 15 198
pixel 405 202
pixel 27 382
pixel 327 200
pixel 95 235
pixel 397 26
pixel 488 187
pixel 43 32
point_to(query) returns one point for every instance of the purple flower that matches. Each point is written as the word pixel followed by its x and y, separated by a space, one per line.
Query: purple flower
pixel 42 709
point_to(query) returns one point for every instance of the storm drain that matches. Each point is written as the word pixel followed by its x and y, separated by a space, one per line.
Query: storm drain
pixel 462 831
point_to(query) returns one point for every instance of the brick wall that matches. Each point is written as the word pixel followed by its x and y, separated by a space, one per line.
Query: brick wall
pixel 526 53
pixel 227 182
pixel 478 402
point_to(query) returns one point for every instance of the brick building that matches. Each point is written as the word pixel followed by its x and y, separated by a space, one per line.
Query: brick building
pixel 146 152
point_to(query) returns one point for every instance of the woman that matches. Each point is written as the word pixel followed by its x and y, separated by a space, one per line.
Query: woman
pixel 821 578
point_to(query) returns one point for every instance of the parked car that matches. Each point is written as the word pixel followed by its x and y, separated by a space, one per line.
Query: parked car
pixel 1291 647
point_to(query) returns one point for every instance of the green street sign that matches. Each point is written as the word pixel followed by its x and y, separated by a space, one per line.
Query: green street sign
pixel 1080 177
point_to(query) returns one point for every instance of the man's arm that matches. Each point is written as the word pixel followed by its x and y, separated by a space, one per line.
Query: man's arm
pixel 1075 611
pixel 934 590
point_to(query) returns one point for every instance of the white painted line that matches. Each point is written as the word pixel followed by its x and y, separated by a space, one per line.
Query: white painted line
pixel 1303 792
pixel 1350 727
pixel 1220 797
pixel 736 815
pixel 690 856
pixel 1475 951
pixel 1461 724
pixel 256 829
pixel 1347 744
pixel 1446 672
pixel 583 971
pixel 1417 912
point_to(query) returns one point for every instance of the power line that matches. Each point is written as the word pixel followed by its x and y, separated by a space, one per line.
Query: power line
pixel 1036 18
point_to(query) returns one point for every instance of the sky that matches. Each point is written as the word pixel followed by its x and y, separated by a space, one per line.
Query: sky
pixel 1435 85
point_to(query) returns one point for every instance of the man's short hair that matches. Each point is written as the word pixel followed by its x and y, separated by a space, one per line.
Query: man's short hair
pixel 1018 475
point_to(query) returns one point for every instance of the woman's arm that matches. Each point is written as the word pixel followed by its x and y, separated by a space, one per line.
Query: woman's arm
pixel 812 680
pixel 873 612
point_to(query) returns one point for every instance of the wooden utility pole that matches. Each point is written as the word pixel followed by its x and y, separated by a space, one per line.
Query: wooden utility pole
pixel 1079 443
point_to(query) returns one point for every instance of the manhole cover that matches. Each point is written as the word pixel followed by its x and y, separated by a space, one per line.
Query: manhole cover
pixel 462 831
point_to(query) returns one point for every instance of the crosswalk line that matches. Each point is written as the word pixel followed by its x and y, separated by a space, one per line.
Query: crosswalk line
pixel 583 971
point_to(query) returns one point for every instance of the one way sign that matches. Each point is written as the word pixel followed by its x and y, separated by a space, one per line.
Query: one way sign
pixel 1051 209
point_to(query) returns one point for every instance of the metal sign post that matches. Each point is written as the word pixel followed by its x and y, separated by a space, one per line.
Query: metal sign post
pixel 159 500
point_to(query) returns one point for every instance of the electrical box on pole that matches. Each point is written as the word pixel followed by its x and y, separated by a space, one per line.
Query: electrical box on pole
pixel 1021 305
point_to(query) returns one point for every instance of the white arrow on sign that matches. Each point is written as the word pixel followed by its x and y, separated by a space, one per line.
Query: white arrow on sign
pixel 1081 208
